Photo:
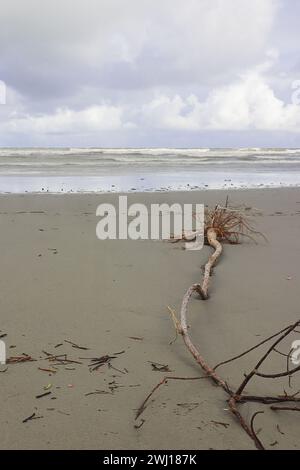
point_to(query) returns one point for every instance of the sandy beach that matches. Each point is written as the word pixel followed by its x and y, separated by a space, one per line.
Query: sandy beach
pixel 60 285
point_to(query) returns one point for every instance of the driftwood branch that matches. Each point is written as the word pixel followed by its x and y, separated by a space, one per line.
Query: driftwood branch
pixel 224 224
pixel 211 235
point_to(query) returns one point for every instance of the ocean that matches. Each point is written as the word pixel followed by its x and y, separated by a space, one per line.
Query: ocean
pixel 64 170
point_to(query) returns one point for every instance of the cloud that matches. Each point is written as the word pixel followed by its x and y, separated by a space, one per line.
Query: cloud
pixel 55 47
pixel 170 70
pixel 246 104
pixel 67 121
pixel 249 103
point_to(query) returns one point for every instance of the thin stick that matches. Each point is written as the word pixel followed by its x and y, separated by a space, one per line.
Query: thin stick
pixel 143 406
pixel 264 357
pixel 259 444
pixel 285 408
pixel 248 429
pixel 43 395
pixel 253 348
pixel 280 374
pixel 76 346
pixel 267 400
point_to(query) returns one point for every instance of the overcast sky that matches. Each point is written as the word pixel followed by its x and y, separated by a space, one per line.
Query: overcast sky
pixel 150 73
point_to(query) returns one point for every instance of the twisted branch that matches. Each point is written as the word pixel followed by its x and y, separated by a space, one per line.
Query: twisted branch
pixel 224 224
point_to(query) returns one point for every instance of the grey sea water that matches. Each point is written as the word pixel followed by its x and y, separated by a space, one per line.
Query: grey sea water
pixel 164 169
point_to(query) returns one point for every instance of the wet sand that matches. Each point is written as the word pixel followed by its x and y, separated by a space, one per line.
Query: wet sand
pixel 59 282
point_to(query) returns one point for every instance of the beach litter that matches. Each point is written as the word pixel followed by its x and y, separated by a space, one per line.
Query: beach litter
pixel 97 362
pixel 98 392
pixel 50 371
pixel 159 367
pixel 60 359
pixel 42 395
pixel 31 417
pixel 20 359
pixel 76 346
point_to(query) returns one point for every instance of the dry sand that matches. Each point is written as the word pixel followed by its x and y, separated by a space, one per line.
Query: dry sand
pixel 59 282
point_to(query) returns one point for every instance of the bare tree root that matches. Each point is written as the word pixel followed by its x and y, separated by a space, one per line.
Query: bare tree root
pixel 221 224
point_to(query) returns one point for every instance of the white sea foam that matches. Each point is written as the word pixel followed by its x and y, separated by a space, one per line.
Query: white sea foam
pixel 109 166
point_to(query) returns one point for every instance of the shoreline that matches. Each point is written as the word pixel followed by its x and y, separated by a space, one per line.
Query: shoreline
pixel 151 180
pixel 147 191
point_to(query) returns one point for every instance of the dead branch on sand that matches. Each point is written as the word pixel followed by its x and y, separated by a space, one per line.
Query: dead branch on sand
pixel 225 224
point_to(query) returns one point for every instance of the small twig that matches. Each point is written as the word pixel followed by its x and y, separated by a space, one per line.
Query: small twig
pixel 97 362
pixel 279 374
pixel 159 367
pixel 285 408
pixel 220 423
pixel 60 359
pixel 116 369
pixel 253 348
pixel 76 346
pixel 43 395
pixel 143 406
pixel 264 357
pixel 97 392
pixel 51 371
pixel 280 352
pixel 233 408
pixel 31 417
pixel 138 426
pixel 18 359
pixel 267 400
pixel 176 323
pixel 257 441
